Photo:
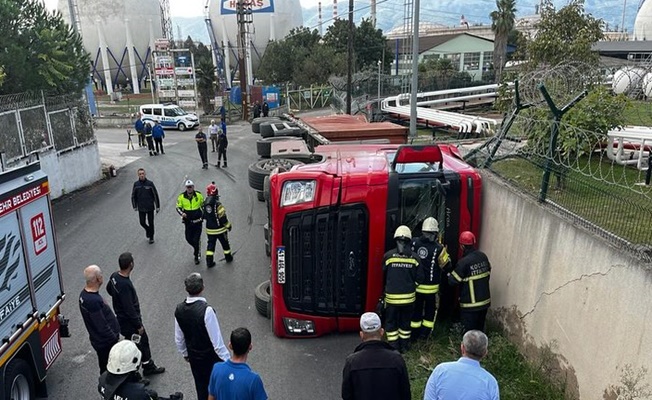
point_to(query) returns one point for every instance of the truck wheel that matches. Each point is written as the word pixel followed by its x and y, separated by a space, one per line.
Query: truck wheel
pixel 263 300
pixel 259 196
pixel 182 127
pixel 19 383
pixel 267 128
pixel 290 132
pixel 255 123
pixel 264 146
pixel 260 169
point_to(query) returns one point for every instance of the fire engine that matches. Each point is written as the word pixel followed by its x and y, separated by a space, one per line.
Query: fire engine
pixel 31 289
pixel 330 223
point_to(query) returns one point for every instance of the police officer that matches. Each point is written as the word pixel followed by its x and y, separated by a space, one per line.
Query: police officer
pixel 400 266
pixel 121 380
pixel 472 273
pixel 434 258
pixel 217 225
pixel 189 207
pixel 149 138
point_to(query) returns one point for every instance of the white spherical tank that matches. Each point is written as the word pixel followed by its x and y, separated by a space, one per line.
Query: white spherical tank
pixel 626 79
pixel 643 22
pixel 119 35
pixel 272 20
pixel 647 84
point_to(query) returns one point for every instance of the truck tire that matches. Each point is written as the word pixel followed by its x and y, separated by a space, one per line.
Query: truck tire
pixel 263 300
pixel 259 195
pixel 290 132
pixel 264 146
pixel 260 169
pixel 266 185
pixel 267 128
pixel 19 382
pixel 255 123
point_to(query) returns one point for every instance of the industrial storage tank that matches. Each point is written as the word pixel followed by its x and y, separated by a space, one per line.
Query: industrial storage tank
pixel 119 35
pixel 272 20
pixel 643 22
pixel 627 79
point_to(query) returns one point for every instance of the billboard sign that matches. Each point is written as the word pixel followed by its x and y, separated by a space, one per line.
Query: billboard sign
pixel 228 7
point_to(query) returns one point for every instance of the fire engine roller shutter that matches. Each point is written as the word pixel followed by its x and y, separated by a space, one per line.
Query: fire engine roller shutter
pixel 326 261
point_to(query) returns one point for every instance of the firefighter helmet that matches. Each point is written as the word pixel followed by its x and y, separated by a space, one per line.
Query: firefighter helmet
pixel 189 183
pixel 467 238
pixel 211 189
pixel 430 225
pixel 403 232
pixel 124 357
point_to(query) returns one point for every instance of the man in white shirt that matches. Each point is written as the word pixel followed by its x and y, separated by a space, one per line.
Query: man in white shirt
pixel 197 334
pixel 213 131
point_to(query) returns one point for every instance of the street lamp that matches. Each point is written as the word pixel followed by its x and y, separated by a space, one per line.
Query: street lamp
pixel 379 65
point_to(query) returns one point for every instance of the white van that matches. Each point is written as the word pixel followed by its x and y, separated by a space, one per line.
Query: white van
pixel 169 116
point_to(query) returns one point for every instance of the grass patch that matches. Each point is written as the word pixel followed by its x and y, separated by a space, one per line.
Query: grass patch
pixel 640 113
pixel 517 378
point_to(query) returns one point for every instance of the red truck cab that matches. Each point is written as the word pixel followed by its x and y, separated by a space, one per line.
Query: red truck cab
pixel 331 222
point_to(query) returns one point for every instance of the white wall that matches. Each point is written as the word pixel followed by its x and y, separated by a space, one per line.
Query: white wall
pixel 73 169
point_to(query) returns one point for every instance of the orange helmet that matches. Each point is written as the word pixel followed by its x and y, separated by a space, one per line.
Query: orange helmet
pixel 211 189
pixel 467 238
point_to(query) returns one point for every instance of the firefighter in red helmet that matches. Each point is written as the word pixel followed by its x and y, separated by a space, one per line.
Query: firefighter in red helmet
pixel 217 225
pixel 472 273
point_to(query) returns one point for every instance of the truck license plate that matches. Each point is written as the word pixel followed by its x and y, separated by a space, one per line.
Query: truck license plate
pixel 280 264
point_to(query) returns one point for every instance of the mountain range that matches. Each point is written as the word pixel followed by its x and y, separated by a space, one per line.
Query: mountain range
pixel 389 14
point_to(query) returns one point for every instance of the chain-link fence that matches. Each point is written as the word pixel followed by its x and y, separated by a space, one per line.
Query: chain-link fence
pixel 33 122
pixel 599 178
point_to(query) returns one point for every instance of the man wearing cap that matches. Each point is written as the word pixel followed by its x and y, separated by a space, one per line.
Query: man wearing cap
pixel 197 334
pixel 189 207
pixel 375 370
pixel 464 378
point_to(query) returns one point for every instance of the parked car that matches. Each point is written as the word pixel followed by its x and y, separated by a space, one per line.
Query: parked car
pixel 169 116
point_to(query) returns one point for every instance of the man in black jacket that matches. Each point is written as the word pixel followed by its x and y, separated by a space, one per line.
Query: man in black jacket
pixel 127 309
pixel 375 370
pixel 101 324
pixel 144 199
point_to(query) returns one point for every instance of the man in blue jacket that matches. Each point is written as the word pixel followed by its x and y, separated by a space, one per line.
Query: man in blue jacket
pixel 158 134
pixel 140 128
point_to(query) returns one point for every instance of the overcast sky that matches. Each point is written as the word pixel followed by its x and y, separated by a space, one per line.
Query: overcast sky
pixel 186 8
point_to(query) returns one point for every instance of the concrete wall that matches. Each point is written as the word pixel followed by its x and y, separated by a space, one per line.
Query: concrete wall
pixel 558 290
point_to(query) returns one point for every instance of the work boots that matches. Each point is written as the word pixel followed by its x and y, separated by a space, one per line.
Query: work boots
pixel 210 263
pixel 150 368
pixel 228 257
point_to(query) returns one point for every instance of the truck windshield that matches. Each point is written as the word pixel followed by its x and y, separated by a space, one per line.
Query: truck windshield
pixel 421 198
pixel 412 168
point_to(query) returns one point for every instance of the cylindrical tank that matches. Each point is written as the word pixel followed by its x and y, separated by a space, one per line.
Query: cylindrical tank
pixel 626 79
pixel 108 27
pixel 647 85
pixel 643 22
pixel 272 20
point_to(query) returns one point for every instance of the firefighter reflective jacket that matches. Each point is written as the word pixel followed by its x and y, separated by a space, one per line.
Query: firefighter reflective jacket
pixel 434 258
pixel 215 216
pixel 191 205
pixel 472 272
pixel 400 277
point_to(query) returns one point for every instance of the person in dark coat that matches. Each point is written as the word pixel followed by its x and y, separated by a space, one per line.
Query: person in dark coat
pixel 148 137
pixel 375 370
pixel 144 199
pixel 202 147
pixel 256 110
pixel 265 109
pixel 140 129
pixel 222 144
pixel 101 323
pixel 158 134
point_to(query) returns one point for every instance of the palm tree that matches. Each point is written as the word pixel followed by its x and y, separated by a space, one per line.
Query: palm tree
pixel 502 22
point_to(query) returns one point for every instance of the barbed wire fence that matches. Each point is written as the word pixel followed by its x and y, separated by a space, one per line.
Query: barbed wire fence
pixel 33 122
pixel 596 178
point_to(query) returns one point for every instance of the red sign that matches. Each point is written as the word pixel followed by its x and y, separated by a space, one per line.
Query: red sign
pixel 37 223
pixel 9 204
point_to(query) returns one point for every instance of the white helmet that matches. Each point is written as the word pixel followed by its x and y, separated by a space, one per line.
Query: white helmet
pixel 190 183
pixel 124 357
pixel 430 225
pixel 403 232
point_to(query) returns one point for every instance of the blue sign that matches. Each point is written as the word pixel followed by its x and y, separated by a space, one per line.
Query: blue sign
pixel 229 7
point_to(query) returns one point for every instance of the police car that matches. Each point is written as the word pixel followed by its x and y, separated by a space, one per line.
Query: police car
pixel 169 116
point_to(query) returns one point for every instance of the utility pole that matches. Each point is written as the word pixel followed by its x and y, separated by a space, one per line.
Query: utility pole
pixel 242 53
pixel 349 72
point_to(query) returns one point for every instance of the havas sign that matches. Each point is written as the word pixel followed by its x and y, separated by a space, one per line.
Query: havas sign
pixel 257 6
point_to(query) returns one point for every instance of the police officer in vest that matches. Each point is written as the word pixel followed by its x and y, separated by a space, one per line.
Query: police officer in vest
pixel 121 380
pixel 217 225
pixel 472 274
pixel 434 258
pixel 400 266
pixel 189 207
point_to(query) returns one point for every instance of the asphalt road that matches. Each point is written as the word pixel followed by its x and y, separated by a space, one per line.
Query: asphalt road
pixel 95 225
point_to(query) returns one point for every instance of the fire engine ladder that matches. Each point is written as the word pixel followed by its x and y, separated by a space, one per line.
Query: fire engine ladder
pixel 220 68
pixel 406 50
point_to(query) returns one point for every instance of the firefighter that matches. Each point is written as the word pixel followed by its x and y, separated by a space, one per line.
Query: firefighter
pixel 434 258
pixel 189 207
pixel 472 273
pixel 217 225
pixel 400 267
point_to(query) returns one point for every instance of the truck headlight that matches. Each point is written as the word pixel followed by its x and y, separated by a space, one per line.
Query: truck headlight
pixel 295 192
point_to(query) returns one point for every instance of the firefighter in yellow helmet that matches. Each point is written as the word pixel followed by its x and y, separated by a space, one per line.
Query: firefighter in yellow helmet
pixel 400 267
pixel 217 225
pixel 434 258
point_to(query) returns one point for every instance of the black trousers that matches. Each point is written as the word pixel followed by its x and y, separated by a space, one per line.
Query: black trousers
pixel 141 139
pixel 221 152
pixel 423 316
pixel 143 345
pixel 193 236
pixel 201 372
pixel 150 144
pixel 203 153
pixel 103 357
pixel 159 145
pixel 473 320
pixel 149 225
pixel 397 323
pixel 210 247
